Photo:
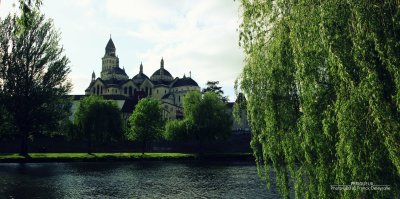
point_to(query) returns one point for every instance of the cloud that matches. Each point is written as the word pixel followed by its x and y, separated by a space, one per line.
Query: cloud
pixel 142 11
pixel 7 7
pixel 191 35
pixel 82 3
pixel 203 40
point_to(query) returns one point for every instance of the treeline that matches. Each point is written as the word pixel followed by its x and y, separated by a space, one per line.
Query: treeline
pixel 98 121
pixel 322 79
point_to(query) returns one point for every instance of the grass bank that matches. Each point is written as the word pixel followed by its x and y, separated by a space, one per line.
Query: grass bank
pixel 85 157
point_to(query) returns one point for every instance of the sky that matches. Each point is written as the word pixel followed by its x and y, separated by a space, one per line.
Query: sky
pixel 197 36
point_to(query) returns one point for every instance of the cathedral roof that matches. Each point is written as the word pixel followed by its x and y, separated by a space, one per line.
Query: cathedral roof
pixel 139 78
pixel 118 70
pixel 113 81
pixel 129 105
pixel 110 45
pixel 90 85
pixel 165 73
pixel 160 81
pixel 107 97
pixel 186 81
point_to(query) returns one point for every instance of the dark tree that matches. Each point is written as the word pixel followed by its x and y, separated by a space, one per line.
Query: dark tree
pixel 33 73
pixel 205 119
pixel 146 122
pixel 212 86
pixel 97 121
pixel 6 125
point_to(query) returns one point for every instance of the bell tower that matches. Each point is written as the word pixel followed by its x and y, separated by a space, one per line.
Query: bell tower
pixel 110 60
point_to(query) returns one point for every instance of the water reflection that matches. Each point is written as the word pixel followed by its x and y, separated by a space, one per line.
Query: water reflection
pixel 148 179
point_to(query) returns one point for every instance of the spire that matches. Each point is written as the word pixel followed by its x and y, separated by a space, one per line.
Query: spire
pixel 162 62
pixel 190 74
pixel 93 76
pixel 110 47
pixel 184 75
pixel 141 68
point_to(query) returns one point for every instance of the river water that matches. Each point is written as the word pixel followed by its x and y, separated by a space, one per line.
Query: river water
pixel 148 179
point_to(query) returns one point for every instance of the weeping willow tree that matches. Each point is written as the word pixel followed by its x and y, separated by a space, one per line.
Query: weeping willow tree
pixel 322 79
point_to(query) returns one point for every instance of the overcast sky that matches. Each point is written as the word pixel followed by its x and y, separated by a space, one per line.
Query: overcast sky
pixel 192 35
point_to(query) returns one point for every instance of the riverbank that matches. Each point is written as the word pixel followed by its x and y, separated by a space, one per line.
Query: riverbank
pixel 106 157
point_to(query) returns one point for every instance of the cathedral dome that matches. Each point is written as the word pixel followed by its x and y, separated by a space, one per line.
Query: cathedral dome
pixel 161 76
pixel 162 72
pixel 139 78
pixel 186 81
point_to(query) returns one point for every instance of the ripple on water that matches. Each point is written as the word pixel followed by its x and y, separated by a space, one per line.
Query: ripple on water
pixel 133 180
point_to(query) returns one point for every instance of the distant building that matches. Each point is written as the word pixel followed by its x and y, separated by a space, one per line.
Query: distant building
pixel 115 83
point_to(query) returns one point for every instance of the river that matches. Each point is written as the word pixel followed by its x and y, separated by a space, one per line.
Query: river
pixel 147 179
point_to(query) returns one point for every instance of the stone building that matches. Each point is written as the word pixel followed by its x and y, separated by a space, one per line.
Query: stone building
pixel 114 82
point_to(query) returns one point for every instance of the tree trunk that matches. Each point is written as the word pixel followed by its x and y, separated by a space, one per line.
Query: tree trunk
pixel 24 144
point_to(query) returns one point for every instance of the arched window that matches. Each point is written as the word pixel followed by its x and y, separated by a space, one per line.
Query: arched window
pixel 134 91
pixel 130 90
pixel 101 88
pixel 150 91
pixel 125 90
pixel 98 89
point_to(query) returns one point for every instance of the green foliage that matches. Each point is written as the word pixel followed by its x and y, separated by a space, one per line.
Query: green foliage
pixel 239 110
pixel 33 73
pixel 97 120
pixel 205 119
pixel 146 122
pixel 212 86
pixel 177 130
pixel 323 85
pixel 208 116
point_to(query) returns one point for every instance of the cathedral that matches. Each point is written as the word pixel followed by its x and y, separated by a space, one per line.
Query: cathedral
pixel 114 83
